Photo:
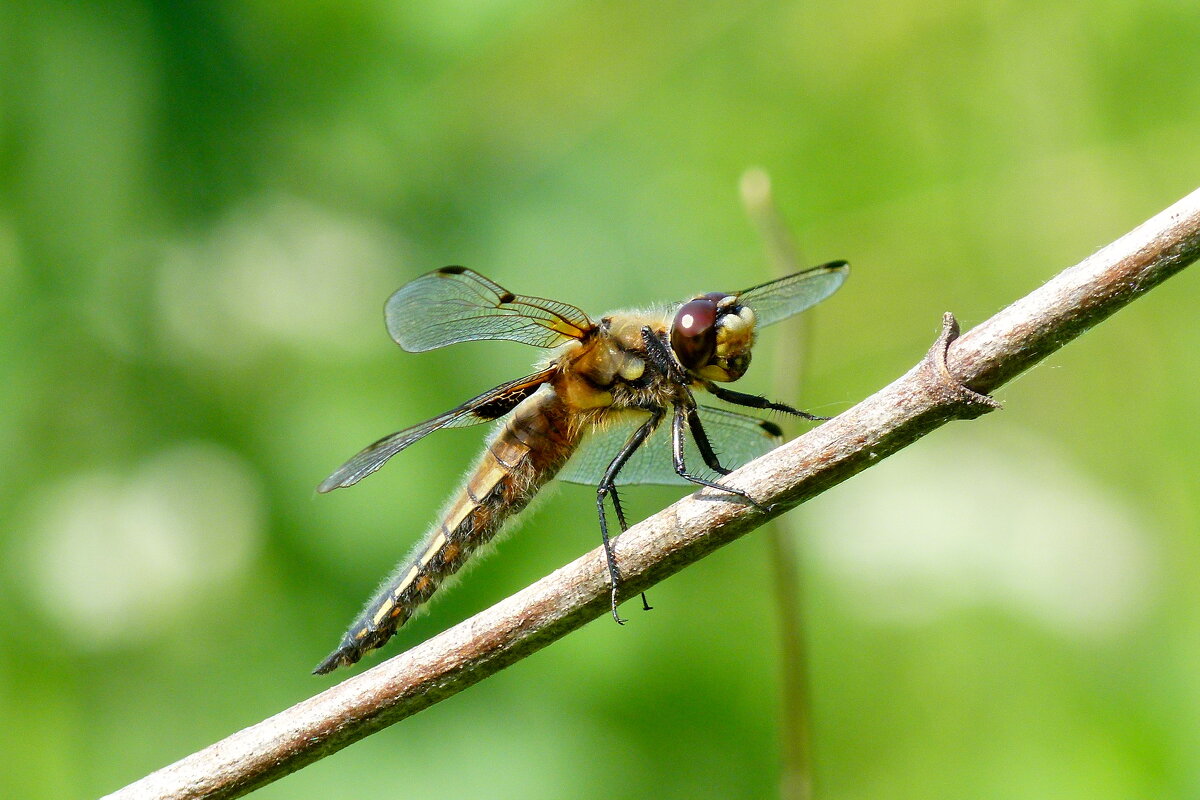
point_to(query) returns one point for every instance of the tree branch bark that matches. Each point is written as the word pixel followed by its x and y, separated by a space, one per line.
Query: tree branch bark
pixel 948 384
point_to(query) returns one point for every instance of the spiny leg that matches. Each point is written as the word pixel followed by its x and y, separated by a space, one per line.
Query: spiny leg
pixel 614 577
pixel 754 401
pixel 700 437
pixel 677 441
pixel 659 354
pixel 616 501
pixel 608 486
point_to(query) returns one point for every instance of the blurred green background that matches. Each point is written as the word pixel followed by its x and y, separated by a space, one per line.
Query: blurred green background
pixel 203 207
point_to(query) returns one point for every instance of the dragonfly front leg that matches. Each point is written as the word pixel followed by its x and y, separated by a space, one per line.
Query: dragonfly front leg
pixel 608 487
pixel 658 351
pixel 755 401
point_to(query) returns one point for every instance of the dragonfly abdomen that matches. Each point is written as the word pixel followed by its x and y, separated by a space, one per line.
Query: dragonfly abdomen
pixel 526 453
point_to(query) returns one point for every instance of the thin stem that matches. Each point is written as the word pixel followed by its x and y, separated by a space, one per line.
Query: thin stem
pixel 923 399
pixel 791 357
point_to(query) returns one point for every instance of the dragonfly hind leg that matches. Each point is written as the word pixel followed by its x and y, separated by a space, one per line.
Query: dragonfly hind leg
pixel 608 487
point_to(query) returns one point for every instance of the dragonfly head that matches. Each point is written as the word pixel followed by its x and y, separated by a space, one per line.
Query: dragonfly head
pixel 712 336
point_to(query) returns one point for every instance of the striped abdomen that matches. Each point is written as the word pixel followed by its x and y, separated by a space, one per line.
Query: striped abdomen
pixel 526 453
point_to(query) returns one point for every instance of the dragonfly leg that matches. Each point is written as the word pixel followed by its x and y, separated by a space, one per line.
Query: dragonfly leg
pixel 754 401
pixel 659 354
pixel 700 436
pixel 608 487
pixel 616 501
pixel 677 437
pixel 614 577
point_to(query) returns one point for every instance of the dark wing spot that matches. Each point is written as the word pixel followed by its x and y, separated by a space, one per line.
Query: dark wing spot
pixel 507 297
pixel 452 270
pixel 499 406
pixel 771 429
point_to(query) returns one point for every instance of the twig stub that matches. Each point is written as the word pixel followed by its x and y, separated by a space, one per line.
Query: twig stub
pixel 942 385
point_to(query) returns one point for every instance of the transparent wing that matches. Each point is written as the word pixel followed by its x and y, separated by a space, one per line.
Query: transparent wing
pixel 455 304
pixel 736 438
pixel 484 408
pixel 780 299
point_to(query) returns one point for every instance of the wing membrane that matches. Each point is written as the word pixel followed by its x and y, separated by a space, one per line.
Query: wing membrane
pixel 780 299
pixel 484 408
pixel 736 438
pixel 455 304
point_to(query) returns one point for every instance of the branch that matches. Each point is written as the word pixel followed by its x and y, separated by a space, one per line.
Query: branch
pixel 948 384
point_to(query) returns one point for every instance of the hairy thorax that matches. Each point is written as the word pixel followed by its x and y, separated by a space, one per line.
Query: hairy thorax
pixel 608 370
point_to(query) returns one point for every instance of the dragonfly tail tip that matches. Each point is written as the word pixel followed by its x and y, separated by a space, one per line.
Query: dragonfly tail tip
pixel 334 660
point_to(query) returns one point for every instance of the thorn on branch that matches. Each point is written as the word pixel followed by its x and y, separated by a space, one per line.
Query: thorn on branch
pixel 944 386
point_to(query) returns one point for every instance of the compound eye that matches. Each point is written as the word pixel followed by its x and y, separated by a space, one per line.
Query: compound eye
pixel 694 333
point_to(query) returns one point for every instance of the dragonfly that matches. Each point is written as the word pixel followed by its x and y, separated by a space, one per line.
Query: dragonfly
pixel 613 405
